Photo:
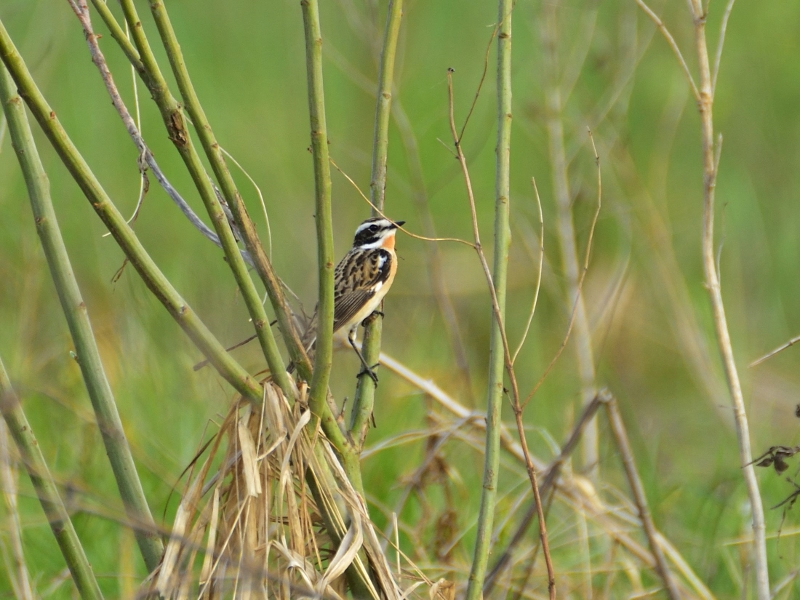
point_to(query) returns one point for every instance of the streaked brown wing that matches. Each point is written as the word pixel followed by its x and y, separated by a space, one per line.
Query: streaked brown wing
pixel 348 305
pixel 355 279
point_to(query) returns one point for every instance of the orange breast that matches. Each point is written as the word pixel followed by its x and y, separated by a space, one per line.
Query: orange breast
pixel 388 242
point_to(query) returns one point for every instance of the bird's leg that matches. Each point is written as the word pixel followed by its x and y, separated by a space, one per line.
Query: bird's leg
pixel 366 370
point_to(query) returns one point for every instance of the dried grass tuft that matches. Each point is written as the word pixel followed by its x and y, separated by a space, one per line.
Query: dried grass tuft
pixel 252 524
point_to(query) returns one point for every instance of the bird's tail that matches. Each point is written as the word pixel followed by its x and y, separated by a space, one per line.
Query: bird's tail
pixel 309 341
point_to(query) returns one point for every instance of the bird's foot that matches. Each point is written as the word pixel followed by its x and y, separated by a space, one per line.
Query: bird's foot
pixel 369 371
pixel 372 316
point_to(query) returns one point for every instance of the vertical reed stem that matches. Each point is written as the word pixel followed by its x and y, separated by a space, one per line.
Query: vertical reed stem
pixel 371 348
pixel 18 575
pixel 322 186
pixel 322 183
pixel 502 240
pixel 42 481
pixel 77 316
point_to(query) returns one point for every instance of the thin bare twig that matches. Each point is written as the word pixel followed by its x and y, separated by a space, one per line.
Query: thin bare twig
pixel 134 132
pixel 144 181
pixel 480 82
pixel 723 28
pixel 382 214
pixel 586 258
pixel 538 275
pixel 260 198
pixel 780 348
pixel 434 259
pixel 475 231
pixel 672 44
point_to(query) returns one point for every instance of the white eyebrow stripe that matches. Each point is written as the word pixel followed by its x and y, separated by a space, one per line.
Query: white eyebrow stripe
pixel 382 223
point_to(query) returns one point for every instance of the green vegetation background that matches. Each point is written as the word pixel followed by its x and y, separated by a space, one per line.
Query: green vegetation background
pixel 247 62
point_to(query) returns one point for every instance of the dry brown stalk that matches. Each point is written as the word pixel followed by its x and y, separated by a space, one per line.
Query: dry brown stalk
pixel 777 350
pixel 575 491
pixel 18 574
pixel 552 474
pixel 704 96
pixel 637 491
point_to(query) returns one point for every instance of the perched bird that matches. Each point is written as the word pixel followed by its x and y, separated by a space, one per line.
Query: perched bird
pixel 361 280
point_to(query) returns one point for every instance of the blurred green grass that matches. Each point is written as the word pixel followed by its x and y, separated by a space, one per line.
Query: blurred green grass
pixel 247 62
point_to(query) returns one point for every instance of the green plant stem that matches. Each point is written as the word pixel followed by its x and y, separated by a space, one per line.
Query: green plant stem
pixel 323 357
pixel 88 356
pixel 43 483
pixel 502 240
pixel 146 156
pixel 172 115
pixel 118 34
pixel 383 105
pixel 152 77
pixel 232 196
pixel 261 262
pixel 155 280
pixel 371 348
pixel 322 185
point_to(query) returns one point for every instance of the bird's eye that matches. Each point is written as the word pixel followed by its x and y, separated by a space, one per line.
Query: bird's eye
pixel 373 228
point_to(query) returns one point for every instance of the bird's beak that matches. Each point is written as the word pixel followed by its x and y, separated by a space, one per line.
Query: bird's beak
pixel 399 224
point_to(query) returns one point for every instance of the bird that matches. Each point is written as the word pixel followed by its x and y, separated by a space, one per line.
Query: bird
pixel 360 282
